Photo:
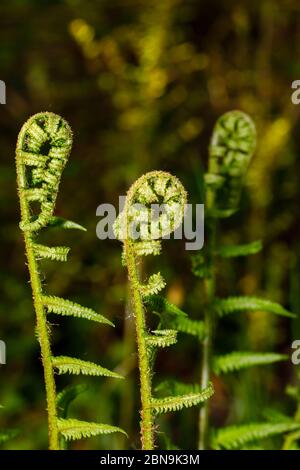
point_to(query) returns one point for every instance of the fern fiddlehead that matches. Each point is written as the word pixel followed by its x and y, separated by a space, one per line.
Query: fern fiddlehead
pixel 140 231
pixel 231 148
pixel 43 148
pixel 232 145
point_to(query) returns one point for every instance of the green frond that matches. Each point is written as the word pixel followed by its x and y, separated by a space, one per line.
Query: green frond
pixel 57 253
pixel 243 359
pixel 274 416
pixel 7 435
pixel 176 403
pixel 159 304
pixel 191 327
pixel 147 247
pixel 162 338
pixel 68 308
pixel 231 251
pixel 155 187
pixel 173 387
pixel 73 429
pixel 40 131
pixel 70 365
pixel 60 222
pixel 66 396
pixel 174 317
pixel 236 304
pixel 155 284
pixel 234 437
pixel 232 145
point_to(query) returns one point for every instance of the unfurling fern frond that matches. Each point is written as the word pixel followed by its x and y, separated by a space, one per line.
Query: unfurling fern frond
pixel 73 429
pixel 235 437
pixel 237 304
pixel 231 148
pixel 175 403
pixel 241 360
pixel 71 365
pixel 231 251
pixel 69 308
pixel 44 144
pixel 154 208
pixel 43 148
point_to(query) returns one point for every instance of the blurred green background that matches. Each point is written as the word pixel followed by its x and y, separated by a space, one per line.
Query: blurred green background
pixel 142 82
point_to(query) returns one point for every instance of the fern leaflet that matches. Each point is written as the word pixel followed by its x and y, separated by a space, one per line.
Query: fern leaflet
pixel 70 365
pixel 73 429
pixel 241 359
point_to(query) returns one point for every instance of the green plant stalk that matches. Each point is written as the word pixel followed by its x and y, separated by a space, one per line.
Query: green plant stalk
pixel 41 322
pixel 294 436
pixel 209 320
pixel 144 367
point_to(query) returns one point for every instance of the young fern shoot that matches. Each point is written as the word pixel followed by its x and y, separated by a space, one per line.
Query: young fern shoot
pixel 141 232
pixel 232 146
pixel 43 148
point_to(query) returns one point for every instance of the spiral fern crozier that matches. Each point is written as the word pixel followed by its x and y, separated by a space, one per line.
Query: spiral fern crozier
pixel 154 208
pixel 43 149
pixel 232 145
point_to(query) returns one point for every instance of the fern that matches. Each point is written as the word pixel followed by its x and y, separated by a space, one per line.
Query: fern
pixel 43 148
pixel 73 429
pixel 66 396
pixel 162 338
pixel 137 219
pixel 57 253
pixel 175 403
pixel 69 308
pixel 70 365
pixel 234 437
pixel 173 317
pixel 242 360
pixel 231 251
pixel 231 149
pixel 237 304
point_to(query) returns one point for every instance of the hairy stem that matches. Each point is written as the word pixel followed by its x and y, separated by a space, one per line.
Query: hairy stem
pixel 144 367
pixel 44 344
pixel 41 322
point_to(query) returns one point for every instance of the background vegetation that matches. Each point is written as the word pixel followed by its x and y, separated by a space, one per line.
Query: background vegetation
pixel 142 82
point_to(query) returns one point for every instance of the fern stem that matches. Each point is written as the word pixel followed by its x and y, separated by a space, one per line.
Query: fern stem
pixel 41 322
pixel 209 320
pixel 294 436
pixel 144 367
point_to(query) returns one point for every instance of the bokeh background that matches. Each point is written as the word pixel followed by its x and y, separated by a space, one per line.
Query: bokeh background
pixel 141 83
